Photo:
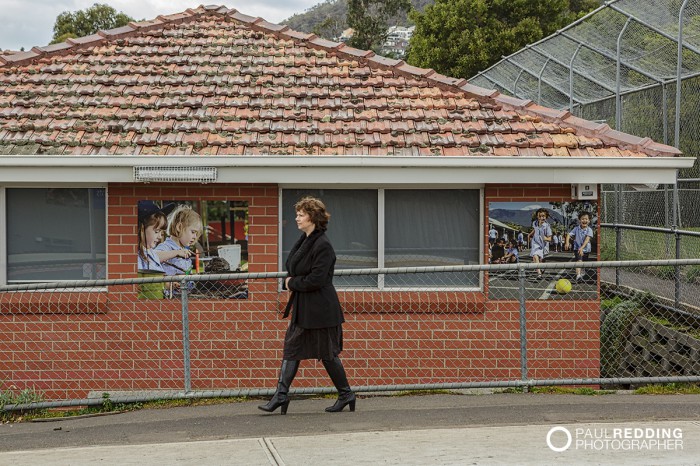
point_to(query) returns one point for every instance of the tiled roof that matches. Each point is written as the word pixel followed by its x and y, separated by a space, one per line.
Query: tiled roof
pixel 214 81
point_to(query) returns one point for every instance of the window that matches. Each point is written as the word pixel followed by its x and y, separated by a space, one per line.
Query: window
pixel 352 229
pixel 396 228
pixel 55 234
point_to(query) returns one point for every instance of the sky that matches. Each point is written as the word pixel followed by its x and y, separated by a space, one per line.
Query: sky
pixel 29 23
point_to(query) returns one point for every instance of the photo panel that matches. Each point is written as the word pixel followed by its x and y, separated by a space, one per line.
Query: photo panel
pixel 192 237
pixel 547 232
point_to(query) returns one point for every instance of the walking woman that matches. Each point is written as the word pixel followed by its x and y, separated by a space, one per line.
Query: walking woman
pixel 315 330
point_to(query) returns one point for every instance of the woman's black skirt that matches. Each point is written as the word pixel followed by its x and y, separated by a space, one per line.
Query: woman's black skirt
pixel 312 343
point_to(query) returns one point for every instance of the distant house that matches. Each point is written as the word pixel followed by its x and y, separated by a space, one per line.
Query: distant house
pixel 346 35
pixel 397 40
pixel 242 117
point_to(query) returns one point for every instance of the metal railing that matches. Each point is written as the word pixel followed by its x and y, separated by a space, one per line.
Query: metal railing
pixel 673 242
pixel 519 330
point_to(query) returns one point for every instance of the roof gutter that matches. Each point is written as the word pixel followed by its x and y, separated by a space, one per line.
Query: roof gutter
pixel 343 161
pixel 350 168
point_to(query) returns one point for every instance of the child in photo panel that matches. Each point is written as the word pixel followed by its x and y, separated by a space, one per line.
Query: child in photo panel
pixel 176 252
pixel 540 236
pixel 581 235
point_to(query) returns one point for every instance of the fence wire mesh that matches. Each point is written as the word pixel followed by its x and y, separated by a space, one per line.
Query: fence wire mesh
pixel 652 206
pixel 429 327
pixel 626 49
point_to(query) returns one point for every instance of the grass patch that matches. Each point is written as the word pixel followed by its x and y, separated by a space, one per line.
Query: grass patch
pixel 610 303
pixel 693 274
pixel 421 392
pixel 510 390
pixel 669 389
pixel 13 396
pixel 643 245
pixel 557 390
pixel 638 244
pixel 687 329
pixel 163 404
pixel 108 406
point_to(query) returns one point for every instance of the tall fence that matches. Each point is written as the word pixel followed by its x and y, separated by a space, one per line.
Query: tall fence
pixel 500 325
pixel 666 206
pixel 620 64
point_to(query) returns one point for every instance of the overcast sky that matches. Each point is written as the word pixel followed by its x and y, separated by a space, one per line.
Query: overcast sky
pixel 28 23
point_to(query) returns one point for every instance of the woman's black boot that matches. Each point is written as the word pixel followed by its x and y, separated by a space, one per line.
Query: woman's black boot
pixel 345 395
pixel 281 397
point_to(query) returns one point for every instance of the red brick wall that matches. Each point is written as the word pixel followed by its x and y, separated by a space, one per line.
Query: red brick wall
pixel 118 342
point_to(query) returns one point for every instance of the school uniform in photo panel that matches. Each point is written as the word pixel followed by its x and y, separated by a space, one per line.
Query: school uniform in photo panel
pixel 151 264
pixel 540 247
pixel 176 265
pixel 579 235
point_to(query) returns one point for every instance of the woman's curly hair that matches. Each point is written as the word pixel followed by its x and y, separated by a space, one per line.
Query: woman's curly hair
pixel 316 210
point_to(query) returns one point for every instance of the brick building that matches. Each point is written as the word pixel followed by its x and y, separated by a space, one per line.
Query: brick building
pixel 408 160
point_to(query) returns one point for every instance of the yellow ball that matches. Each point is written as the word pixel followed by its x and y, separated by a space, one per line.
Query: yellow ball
pixel 563 286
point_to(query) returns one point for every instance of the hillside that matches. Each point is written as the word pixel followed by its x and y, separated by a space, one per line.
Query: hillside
pixel 522 218
pixel 334 11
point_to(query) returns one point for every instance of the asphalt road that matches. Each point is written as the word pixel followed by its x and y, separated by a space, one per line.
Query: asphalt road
pixel 375 413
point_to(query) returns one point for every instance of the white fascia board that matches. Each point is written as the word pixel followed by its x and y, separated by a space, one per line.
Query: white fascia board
pixel 353 169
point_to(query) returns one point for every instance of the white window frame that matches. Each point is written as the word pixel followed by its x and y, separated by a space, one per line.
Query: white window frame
pixel 381 231
pixel 3 230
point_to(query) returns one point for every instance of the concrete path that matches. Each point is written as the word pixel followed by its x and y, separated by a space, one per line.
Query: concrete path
pixel 621 429
pixel 652 443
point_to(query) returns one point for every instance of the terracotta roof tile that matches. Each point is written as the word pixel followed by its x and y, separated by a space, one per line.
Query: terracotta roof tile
pixel 531 152
pixel 565 140
pixel 556 152
pixel 213 81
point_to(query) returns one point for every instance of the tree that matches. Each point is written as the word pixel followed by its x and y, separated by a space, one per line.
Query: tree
pixel 331 28
pixel 459 38
pixel 370 21
pixel 88 21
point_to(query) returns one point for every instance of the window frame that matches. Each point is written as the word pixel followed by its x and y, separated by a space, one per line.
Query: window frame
pixel 3 231
pixel 381 232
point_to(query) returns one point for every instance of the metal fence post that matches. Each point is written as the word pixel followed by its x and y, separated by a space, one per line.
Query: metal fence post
pixel 677 289
pixel 679 73
pixel 186 335
pixel 523 329
pixel 618 232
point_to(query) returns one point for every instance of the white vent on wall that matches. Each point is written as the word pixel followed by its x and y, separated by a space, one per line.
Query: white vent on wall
pixel 175 174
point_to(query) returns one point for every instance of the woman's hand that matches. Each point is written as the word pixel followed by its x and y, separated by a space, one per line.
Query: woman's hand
pixel 286 282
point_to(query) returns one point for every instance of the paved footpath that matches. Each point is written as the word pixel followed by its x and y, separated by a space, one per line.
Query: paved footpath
pixel 413 430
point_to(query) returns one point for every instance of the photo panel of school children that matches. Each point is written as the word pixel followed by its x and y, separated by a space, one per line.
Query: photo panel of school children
pixel 537 232
pixel 192 237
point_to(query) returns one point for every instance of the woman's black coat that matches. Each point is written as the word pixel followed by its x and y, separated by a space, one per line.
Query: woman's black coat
pixel 314 301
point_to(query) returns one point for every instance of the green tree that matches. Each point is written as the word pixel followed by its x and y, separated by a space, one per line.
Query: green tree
pixel 459 38
pixel 89 21
pixel 331 28
pixel 370 21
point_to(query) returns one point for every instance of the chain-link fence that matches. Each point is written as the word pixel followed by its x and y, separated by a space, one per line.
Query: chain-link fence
pixel 653 205
pixel 505 325
pixel 620 65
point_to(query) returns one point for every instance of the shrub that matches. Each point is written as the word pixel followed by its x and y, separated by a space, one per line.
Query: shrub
pixel 614 333
pixel 12 396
